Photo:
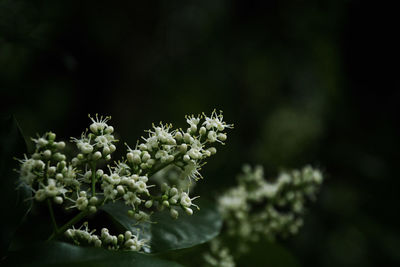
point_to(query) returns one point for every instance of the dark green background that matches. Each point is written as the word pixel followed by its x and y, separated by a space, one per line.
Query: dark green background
pixel 303 82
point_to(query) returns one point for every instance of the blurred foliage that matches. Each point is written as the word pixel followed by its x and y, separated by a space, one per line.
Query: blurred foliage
pixel 300 80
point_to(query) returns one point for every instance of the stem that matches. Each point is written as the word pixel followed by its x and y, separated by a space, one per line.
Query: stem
pixel 63 228
pixel 53 219
pixel 93 178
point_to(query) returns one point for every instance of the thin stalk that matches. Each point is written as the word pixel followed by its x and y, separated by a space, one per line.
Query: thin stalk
pixel 63 228
pixel 93 178
pixel 53 219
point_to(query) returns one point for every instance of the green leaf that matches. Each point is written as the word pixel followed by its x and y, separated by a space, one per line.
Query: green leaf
pixel 167 233
pixel 63 254
pixel 13 199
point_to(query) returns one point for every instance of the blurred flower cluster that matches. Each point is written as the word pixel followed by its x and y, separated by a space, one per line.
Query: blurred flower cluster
pixel 259 209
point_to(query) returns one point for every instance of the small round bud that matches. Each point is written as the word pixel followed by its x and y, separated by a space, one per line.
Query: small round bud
pixel 186 158
pixel 213 150
pixel 58 200
pixel 165 203
pixel 222 136
pixel 108 157
pixel 82 194
pixel 183 148
pixel 97 155
pixel 120 238
pixel 59 176
pixel 36 156
pixel 60 145
pixel 174 213
pixel 47 153
pixel 188 211
pixel 193 128
pixel 80 156
pixel 112 148
pixel 128 235
pixel 120 190
pixel 148 203
pixel 131 213
pixel 178 136
pixel 51 170
pixel 97 243
pixel 51 136
pixel 99 173
pixel 92 209
pixel 69 233
pixel 202 130
pixel 93 200
pixel 173 191
pixel 129 156
pixel 109 130
pixel 93 127
pixel 106 150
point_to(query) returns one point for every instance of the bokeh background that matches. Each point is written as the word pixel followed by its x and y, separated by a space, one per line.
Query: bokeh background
pixel 303 82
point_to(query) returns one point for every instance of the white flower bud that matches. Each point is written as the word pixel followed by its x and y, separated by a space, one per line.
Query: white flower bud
pixel 86 148
pixel 97 243
pixel 146 156
pixel 106 150
pixel 112 148
pixel 120 190
pixel 47 153
pixel 174 213
pixel 183 148
pixel 186 158
pixel 93 200
pixel 222 136
pixel 212 136
pixel 42 142
pixel 129 156
pixel 178 136
pixel 108 157
pixel 58 200
pixel 148 204
pixel 213 150
pixel 187 138
pixel 188 211
pixel 60 145
pixel 93 127
pixel 40 195
pixel 92 209
pixel 59 176
pixel 99 173
pixel 97 155
pixel 202 130
pixel 51 170
pixel 165 203
pixel 173 191
pixel 109 130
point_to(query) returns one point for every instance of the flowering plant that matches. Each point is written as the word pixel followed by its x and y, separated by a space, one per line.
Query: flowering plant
pixel 144 199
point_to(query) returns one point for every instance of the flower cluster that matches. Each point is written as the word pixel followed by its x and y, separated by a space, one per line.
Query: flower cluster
pixel 257 208
pixel 86 182
pixel 83 236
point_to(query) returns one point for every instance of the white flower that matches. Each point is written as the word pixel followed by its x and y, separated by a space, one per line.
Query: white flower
pixel 99 124
pixel 216 121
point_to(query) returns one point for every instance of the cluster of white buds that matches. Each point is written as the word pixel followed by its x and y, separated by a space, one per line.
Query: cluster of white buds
pixel 84 184
pixel 219 255
pixel 97 144
pixel 46 172
pixel 83 236
pixel 257 208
